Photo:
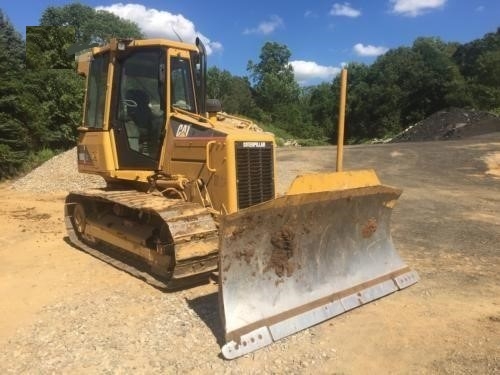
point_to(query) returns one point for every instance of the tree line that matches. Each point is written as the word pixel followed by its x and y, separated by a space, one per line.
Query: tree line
pixel 41 96
pixel 402 87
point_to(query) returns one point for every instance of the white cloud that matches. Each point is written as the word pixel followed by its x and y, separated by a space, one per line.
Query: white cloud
pixel 305 71
pixel 414 8
pixel 369 50
pixel 161 24
pixel 344 10
pixel 310 14
pixel 266 27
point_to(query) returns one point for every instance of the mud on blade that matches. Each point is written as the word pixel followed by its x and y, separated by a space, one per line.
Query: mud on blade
pixel 301 259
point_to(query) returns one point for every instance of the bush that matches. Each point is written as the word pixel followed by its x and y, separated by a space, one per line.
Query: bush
pixel 36 159
pixel 11 161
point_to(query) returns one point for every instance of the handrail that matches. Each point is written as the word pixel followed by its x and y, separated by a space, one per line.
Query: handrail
pixel 207 161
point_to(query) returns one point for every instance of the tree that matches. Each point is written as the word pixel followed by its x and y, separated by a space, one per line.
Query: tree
pixel 217 82
pixel 273 78
pixel 90 25
pixel 57 108
pixel 402 87
pixel 322 103
pixel 238 98
pixel 55 111
pixel 12 47
pixel 467 55
pixel 234 92
pixel 13 135
pixel 40 107
pixel 478 62
pixel 275 90
pixel 437 76
pixel 274 60
pixel 47 46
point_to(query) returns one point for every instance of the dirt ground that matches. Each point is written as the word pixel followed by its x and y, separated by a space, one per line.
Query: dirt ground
pixel 63 311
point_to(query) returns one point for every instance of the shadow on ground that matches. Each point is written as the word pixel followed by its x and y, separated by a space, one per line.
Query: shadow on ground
pixel 207 308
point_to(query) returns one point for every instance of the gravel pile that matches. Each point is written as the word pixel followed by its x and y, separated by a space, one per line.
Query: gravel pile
pixel 453 123
pixel 59 174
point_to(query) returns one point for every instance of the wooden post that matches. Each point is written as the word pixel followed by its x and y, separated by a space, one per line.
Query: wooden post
pixel 340 130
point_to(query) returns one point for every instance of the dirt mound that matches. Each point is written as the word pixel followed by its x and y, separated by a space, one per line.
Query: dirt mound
pixel 452 123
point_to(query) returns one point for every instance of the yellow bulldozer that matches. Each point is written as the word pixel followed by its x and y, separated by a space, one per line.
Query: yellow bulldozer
pixel 190 194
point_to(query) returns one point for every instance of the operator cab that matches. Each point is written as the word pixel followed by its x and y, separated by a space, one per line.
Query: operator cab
pixel 146 84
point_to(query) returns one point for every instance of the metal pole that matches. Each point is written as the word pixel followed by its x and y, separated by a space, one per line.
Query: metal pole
pixel 340 138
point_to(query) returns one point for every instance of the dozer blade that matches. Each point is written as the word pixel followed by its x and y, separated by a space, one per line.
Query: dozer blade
pixel 300 259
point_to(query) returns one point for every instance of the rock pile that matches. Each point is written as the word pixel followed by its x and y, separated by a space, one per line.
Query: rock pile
pixel 452 123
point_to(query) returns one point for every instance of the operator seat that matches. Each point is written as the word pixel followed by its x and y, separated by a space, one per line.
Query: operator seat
pixel 139 128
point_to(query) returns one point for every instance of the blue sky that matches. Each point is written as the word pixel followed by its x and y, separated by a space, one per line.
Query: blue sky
pixel 321 35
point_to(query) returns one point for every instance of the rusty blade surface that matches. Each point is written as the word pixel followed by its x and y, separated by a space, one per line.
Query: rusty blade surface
pixel 291 263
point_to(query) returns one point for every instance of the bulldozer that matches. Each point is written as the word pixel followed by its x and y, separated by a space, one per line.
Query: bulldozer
pixel 191 194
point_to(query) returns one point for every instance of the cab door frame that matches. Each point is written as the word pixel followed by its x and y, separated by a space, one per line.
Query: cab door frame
pixel 129 158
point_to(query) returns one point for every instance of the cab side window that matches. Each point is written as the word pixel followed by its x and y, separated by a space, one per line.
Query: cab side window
pixel 96 92
pixel 181 85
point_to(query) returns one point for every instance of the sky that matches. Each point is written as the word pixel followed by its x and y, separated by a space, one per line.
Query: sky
pixel 321 35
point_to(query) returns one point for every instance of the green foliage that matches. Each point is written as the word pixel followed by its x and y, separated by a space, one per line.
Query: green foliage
pixel 400 88
pixel 280 134
pixel 274 58
pixel 488 68
pixel 495 111
pixel 407 84
pixel 273 79
pixel 13 132
pixel 466 55
pixel 479 64
pixel 56 111
pixel 41 106
pixel 36 159
pixel 13 139
pixel 46 47
pixel 10 161
pixel 278 96
pixel 321 107
pixel 11 48
pixel 234 92
pixel 90 25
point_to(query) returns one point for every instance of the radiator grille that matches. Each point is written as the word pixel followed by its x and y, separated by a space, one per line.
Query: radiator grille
pixel 254 173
